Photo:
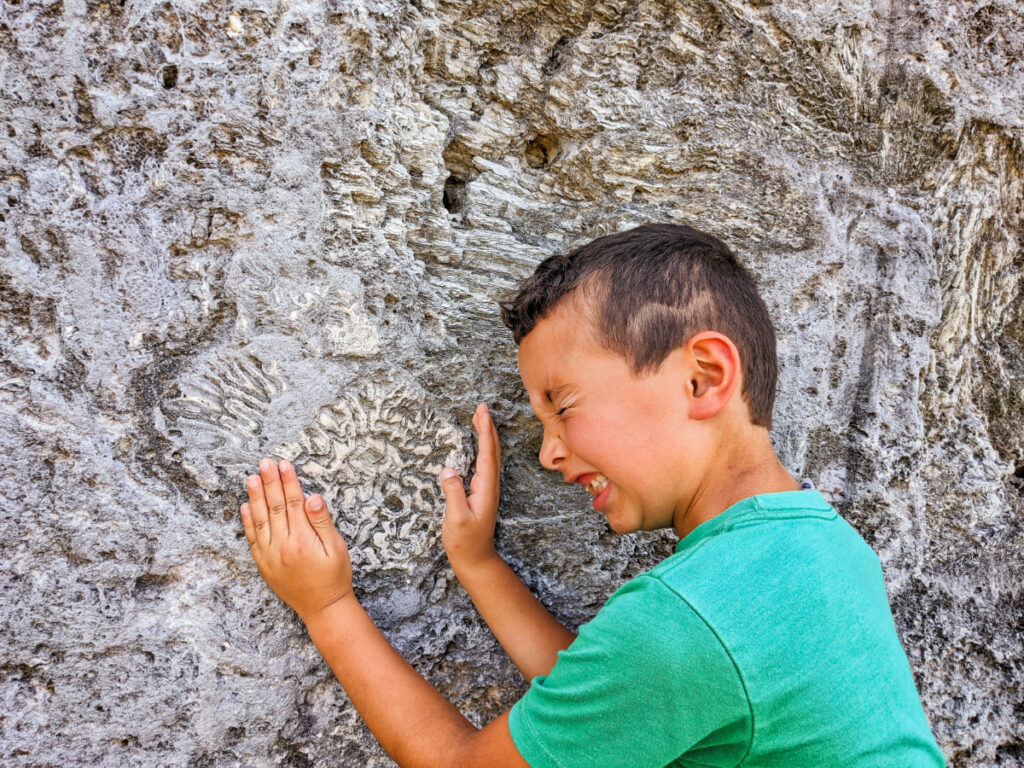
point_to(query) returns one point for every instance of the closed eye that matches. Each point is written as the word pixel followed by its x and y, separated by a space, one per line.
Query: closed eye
pixel 568 406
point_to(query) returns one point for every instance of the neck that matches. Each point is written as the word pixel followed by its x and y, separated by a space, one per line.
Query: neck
pixel 746 471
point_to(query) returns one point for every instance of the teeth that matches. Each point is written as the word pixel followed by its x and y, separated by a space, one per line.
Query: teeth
pixel 597 485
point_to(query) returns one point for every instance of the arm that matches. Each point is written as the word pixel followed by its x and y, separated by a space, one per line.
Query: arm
pixel 305 561
pixel 530 635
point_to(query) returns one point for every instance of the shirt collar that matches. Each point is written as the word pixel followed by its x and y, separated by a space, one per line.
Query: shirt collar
pixel 763 506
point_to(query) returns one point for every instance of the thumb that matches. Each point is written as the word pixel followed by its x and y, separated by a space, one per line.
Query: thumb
pixel 317 514
pixel 454 493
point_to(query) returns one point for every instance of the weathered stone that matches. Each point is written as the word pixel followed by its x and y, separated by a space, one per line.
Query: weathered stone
pixel 273 229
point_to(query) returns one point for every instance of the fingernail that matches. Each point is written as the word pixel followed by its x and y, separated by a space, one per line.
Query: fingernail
pixel 448 473
pixel 285 465
pixel 315 504
pixel 252 481
pixel 266 465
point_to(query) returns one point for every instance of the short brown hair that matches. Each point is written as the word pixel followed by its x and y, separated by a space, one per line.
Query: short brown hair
pixel 655 287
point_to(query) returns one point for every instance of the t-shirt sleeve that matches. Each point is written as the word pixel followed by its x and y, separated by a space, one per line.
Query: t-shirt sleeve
pixel 644 682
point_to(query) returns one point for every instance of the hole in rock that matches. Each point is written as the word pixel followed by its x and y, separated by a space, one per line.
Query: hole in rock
pixel 540 151
pixel 150 583
pixel 454 198
pixel 170 76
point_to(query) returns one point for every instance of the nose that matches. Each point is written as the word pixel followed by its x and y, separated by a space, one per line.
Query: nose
pixel 552 451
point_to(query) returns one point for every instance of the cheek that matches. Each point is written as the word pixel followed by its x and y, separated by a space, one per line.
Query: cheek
pixel 580 433
pixel 605 443
pixel 589 439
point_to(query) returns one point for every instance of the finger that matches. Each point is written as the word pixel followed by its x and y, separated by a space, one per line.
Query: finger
pixel 496 443
pixel 488 462
pixel 275 500
pixel 456 504
pixel 315 510
pixel 258 507
pixel 294 498
pixel 486 453
pixel 250 530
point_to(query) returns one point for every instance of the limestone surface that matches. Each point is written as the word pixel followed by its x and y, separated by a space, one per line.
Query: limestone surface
pixel 249 228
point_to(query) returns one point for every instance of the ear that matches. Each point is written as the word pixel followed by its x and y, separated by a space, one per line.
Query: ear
pixel 714 373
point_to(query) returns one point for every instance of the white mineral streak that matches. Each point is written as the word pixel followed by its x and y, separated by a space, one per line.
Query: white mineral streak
pixel 280 229
pixel 235 25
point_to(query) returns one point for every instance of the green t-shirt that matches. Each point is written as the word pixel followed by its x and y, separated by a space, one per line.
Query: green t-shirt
pixel 765 640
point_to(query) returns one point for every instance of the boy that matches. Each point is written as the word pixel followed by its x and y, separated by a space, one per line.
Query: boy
pixel 765 640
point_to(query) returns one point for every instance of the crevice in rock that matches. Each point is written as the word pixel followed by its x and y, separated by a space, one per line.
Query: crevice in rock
pixel 454 198
pixel 557 57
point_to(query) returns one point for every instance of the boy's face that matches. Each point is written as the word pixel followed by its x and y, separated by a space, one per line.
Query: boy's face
pixel 603 422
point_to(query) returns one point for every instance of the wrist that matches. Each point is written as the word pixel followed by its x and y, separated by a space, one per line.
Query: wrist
pixel 329 614
pixel 466 566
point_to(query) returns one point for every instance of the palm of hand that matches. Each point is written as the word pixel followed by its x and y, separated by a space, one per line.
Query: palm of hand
pixel 297 549
pixel 468 529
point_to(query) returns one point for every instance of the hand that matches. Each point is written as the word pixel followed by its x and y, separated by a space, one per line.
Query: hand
pixel 468 529
pixel 297 549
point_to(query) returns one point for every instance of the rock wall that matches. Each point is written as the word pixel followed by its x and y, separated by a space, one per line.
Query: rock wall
pixel 242 229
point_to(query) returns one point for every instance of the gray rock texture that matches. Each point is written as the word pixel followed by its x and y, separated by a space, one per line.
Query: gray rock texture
pixel 254 228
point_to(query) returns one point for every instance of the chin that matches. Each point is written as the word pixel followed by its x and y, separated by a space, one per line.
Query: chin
pixel 619 527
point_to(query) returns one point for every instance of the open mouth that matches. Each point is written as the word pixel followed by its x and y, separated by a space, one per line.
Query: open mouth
pixel 598 484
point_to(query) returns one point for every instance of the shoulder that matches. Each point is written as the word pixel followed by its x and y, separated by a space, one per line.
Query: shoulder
pixel 648 655
pixel 649 621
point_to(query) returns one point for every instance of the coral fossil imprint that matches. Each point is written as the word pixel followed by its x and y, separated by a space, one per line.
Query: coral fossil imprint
pixel 378 454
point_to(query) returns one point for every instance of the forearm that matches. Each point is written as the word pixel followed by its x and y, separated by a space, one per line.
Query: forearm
pixel 530 635
pixel 414 723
